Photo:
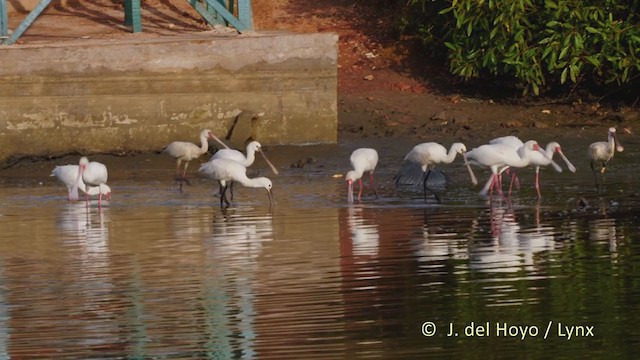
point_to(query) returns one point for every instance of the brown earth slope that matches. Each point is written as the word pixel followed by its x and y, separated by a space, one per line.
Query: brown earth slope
pixel 385 86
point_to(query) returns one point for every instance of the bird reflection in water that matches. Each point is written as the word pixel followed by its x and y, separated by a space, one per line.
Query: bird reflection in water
pixel 235 244
pixel 511 248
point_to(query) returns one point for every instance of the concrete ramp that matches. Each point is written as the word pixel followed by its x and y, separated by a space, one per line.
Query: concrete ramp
pixel 120 96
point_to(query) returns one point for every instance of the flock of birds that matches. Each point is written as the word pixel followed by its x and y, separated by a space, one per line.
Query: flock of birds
pixel 501 155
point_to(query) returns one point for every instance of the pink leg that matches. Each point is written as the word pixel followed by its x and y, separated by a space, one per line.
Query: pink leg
pixel 100 200
pixel 514 178
pixel 492 184
pixel 372 184
pixel 360 191
pixel 537 182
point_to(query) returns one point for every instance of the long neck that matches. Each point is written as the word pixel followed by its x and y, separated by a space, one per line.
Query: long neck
pixel 451 155
pixel 252 183
pixel 612 144
pixel 551 148
pixel 523 158
pixel 251 155
pixel 357 172
pixel 205 143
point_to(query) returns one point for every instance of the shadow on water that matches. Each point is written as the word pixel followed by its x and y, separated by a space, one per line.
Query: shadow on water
pixel 156 273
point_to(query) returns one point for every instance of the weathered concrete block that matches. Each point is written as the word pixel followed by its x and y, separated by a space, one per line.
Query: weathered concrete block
pixel 134 96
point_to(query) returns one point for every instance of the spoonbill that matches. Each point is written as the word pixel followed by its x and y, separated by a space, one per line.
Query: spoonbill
pixel 515 143
pixel 602 152
pixel 428 155
pixel 542 159
pixel 186 151
pixel 67 174
pixel 245 160
pixel 225 170
pixel 362 160
pixel 93 174
pixel 538 158
pixel 498 157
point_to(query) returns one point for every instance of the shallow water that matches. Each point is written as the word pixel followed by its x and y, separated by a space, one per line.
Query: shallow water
pixel 156 273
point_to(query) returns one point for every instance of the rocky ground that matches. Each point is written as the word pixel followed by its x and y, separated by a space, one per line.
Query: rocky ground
pixel 386 87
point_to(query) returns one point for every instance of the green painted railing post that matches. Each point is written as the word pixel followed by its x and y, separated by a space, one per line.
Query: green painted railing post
pixel 132 15
pixel 245 13
pixel 223 12
pixel 4 26
pixel 24 25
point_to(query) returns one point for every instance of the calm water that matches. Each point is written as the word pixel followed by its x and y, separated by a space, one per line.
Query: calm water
pixel 160 274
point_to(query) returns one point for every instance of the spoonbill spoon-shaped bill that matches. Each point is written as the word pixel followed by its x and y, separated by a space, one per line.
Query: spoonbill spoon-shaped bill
pixel 187 151
pixel 428 155
pixel 67 174
pixel 498 157
pixel 246 160
pixel 225 171
pixel 362 160
pixel 602 152
pixel 93 174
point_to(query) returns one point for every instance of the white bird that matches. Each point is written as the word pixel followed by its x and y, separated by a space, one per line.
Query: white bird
pixel 539 159
pixel 510 140
pixel 68 174
pixel 498 157
pixel 93 174
pixel 515 143
pixel 186 151
pixel 602 152
pixel 225 170
pixel 245 160
pixel 362 160
pixel 428 155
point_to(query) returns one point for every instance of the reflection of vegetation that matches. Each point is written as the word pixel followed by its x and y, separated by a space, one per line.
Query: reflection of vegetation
pixel 541 44
pixel 591 279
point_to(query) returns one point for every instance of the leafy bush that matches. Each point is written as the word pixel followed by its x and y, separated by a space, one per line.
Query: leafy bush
pixel 539 43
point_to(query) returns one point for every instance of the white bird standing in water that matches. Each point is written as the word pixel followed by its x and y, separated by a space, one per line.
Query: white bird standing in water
pixel 186 151
pixel 245 160
pixel 498 157
pixel 362 160
pixel 602 152
pixel 538 158
pixel 428 155
pixel 225 170
pixel 93 174
pixel 68 174
pixel 543 159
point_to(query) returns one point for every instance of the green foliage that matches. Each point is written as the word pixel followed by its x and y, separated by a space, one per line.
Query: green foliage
pixel 538 43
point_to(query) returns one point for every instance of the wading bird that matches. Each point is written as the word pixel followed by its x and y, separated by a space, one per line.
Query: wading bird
pixel 186 151
pixel 362 160
pixel 602 152
pixel 544 159
pixel 245 160
pixel 93 174
pixel 427 156
pixel 225 170
pixel 498 157
pixel 68 175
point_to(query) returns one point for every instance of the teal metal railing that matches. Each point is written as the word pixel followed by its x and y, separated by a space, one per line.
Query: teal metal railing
pixel 236 13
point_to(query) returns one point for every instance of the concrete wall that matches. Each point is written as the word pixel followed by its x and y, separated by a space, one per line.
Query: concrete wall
pixel 138 95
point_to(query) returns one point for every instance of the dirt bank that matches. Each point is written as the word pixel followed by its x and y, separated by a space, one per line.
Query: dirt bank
pixel 386 89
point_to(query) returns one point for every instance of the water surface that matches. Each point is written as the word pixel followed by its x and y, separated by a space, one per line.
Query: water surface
pixel 156 273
